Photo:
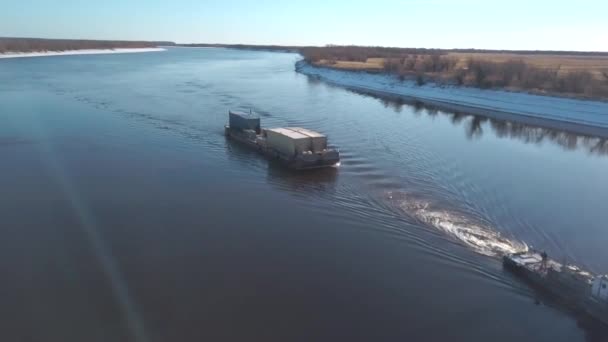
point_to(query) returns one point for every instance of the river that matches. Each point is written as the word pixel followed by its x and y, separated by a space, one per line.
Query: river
pixel 126 215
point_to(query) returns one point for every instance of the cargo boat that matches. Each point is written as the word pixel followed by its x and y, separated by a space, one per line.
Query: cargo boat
pixel 298 148
pixel 579 289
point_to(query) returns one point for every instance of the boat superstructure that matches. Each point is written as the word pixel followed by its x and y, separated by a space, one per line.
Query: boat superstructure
pixel 296 147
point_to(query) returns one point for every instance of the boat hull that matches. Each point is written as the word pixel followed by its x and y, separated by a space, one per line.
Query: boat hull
pixel 299 162
pixel 574 298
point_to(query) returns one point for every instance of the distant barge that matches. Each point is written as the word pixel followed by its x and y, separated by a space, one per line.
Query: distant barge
pixel 298 148
pixel 579 289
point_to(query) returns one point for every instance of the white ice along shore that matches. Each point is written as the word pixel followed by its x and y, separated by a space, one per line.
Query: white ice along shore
pixel 76 52
pixel 577 116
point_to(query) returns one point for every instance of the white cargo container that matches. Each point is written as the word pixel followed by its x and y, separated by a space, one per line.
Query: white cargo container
pixel 287 141
pixel 319 141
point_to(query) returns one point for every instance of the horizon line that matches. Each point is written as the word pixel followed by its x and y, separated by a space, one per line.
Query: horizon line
pixel 311 46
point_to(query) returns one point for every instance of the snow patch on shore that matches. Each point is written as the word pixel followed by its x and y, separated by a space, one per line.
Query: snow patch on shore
pixel 587 117
pixel 76 52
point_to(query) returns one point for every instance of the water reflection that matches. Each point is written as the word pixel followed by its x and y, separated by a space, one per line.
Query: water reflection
pixel 244 155
pixel 594 330
pixel 476 126
pixel 320 181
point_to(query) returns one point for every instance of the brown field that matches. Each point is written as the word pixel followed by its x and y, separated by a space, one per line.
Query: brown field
pixel 371 64
pixel 596 65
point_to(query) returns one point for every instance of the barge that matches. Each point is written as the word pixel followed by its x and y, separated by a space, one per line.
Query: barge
pixel 297 148
pixel 579 289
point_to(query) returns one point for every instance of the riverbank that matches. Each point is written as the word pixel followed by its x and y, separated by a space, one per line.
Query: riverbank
pixel 578 116
pixel 77 52
pixel 581 75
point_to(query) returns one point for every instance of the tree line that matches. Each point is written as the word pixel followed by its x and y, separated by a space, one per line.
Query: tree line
pixel 39 44
pixel 361 53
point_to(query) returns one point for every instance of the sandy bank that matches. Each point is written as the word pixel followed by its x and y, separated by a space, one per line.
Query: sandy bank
pixel 578 116
pixel 76 52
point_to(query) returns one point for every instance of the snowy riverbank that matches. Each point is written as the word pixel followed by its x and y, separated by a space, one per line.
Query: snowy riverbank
pixel 76 52
pixel 579 116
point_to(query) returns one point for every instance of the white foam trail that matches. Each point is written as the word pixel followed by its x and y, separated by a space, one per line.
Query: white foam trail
pixel 478 235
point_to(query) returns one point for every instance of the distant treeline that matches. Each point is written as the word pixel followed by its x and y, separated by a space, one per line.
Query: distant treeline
pixel 477 70
pixel 362 53
pixel 281 48
pixel 39 44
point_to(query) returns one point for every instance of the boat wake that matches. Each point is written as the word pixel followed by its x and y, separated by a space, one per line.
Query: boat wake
pixel 468 229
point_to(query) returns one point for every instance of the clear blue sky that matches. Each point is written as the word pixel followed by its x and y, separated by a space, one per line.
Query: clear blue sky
pixel 492 24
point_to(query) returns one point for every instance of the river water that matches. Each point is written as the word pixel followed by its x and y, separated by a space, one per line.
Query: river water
pixel 127 216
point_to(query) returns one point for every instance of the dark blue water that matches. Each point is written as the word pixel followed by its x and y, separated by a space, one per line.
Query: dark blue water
pixel 125 214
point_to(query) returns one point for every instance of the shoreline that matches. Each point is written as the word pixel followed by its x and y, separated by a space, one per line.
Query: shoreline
pixel 590 117
pixel 78 52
